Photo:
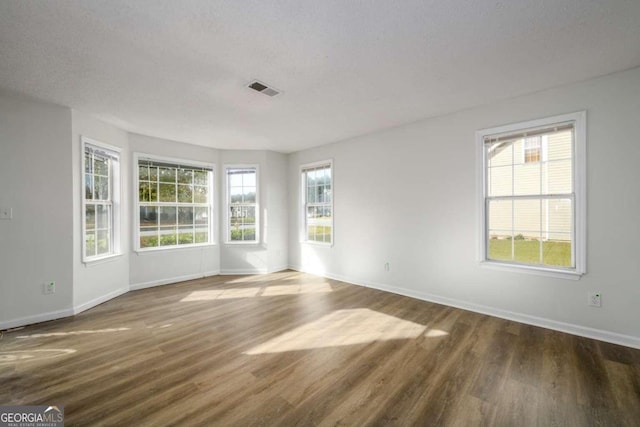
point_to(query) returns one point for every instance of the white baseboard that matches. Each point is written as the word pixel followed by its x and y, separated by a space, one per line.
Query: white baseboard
pixel 240 271
pixel 38 318
pixel 152 283
pixel 97 301
pixel 583 331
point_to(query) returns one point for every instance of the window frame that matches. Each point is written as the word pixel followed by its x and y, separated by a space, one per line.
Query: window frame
pixel 227 204
pixel 579 232
pixel 303 202
pixel 137 156
pixel 115 191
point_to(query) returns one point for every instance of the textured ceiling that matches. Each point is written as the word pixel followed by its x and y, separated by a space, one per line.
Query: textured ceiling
pixel 178 69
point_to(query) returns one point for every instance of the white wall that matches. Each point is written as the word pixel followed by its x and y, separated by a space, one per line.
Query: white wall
pixel 99 281
pixel 171 265
pixel 407 196
pixel 276 216
pixel 35 181
pixel 270 254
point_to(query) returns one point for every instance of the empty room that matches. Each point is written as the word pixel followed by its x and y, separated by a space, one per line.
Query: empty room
pixel 329 212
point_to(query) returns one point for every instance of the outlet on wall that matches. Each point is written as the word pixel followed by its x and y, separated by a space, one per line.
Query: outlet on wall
pixel 49 288
pixel 594 299
pixel 386 266
pixel 6 213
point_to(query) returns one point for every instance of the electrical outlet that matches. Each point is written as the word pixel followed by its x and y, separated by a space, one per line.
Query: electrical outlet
pixel 6 213
pixel 594 299
pixel 386 266
pixel 49 288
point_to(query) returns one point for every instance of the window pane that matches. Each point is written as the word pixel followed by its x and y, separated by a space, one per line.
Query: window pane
pixel 143 173
pixel 90 243
pixel 201 177
pixel 500 181
pixel 185 216
pixel 167 192
pixel 148 216
pixel 153 174
pixel 101 188
pixel 250 217
pixel 201 194
pixel 558 251
pixel 88 187
pixel 201 235
pixel 103 216
pixel 557 219
pixel 90 217
pixel 167 174
pixel 500 218
pixel 560 177
pixel 526 218
pixel 185 176
pixel 103 242
pixel 148 192
pixel 249 194
pixel 185 194
pixel 201 216
pixel 526 179
pixel 100 166
pixel 327 193
pixel 525 250
pixel 143 192
pixel 236 194
pixel 168 236
pixel 88 164
pixel 185 235
pixel 560 145
pixel 249 179
pixel 148 237
pixel 235 180
pixel 499 154
pixel 168 215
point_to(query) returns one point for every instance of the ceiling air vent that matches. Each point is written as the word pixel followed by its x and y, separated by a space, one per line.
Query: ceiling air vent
pixel 263 88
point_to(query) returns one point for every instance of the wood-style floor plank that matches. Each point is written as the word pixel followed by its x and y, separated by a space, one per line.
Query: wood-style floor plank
pixel 295 349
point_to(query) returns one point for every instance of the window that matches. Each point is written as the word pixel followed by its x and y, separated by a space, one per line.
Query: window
pixel 532 148
pixel 533 206
pixel 317 186
pixel 242 223
pixel 100 204
pixel 175 203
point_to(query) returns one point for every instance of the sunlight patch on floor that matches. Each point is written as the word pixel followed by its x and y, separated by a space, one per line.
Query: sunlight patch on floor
pixel 341 328
pixel 33 355
pixel 269 291
pixel 63 334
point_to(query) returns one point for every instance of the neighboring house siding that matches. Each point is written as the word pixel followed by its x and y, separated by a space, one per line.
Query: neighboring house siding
pixel 509 174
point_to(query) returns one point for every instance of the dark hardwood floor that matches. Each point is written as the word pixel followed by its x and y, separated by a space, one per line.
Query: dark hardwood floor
pixel 295 349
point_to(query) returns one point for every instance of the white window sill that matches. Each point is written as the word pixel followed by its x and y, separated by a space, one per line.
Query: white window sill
pixel 101 260
pixel 321 244
pixel 156 250
pixel 243 243
pixel 526 269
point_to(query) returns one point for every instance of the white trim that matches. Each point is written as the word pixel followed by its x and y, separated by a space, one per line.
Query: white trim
pixel 569 328
pixel 97 301
pixel 149 251
pixel 37 318
pixel 579 189
pixel 302 215
pixel 226 202
pixel 172 280
pixel 136 201
pixel 240 271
